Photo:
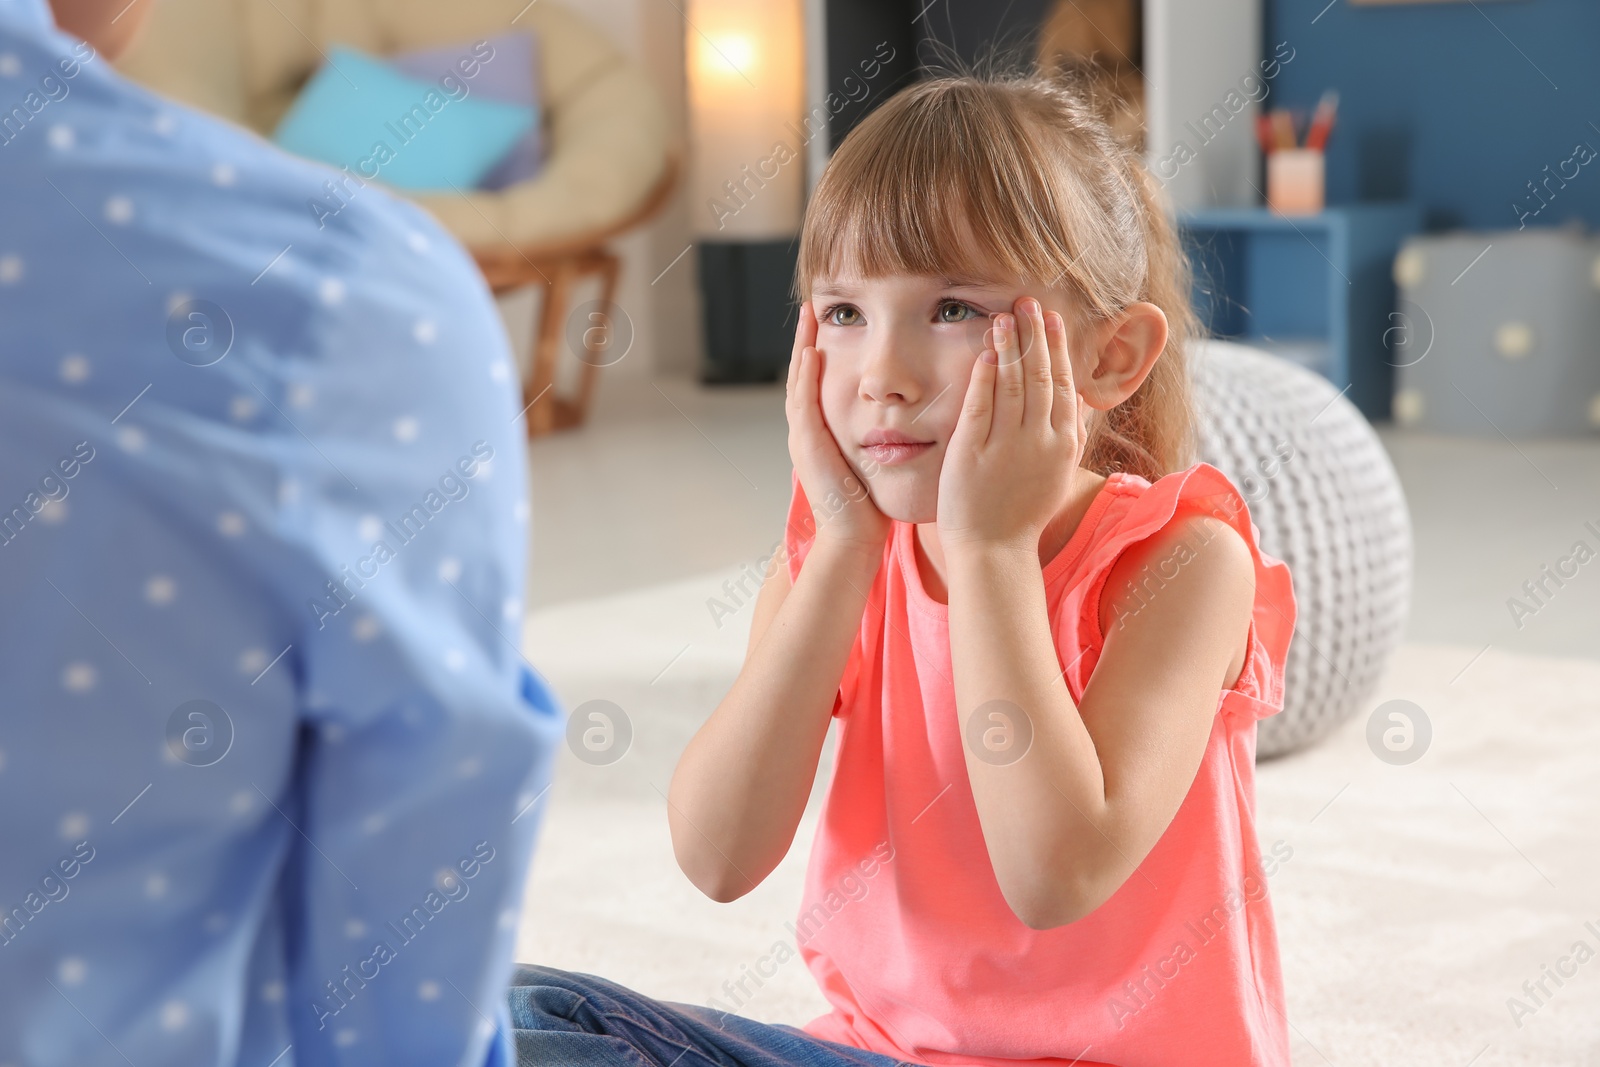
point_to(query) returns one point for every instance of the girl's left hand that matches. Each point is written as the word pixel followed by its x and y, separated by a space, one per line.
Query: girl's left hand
pixel 1013 458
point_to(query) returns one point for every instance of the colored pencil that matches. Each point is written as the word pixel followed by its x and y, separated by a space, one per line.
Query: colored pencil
pixel 1322 121
pixel 1284 124
pixel 1264 132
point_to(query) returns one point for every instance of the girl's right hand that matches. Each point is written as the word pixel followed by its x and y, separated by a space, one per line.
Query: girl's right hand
pixel 840 504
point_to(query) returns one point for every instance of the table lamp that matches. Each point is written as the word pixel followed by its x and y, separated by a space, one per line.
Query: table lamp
pixel 745 68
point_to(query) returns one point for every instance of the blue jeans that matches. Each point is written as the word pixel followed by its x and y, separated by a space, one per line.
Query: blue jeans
pixel 564 1019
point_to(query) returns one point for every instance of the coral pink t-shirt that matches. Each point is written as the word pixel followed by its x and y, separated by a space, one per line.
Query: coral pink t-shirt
pixel 902 922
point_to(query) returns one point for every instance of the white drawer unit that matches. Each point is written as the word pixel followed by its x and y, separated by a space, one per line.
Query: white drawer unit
pixel 1498 333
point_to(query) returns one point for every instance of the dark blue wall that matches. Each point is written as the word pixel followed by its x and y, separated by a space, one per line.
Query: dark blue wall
pixel 1457 106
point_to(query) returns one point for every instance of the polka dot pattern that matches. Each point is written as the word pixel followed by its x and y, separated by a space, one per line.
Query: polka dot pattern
pixel 174 1015
pixel 79 677
pixel 131 439
pixel 74 369
pixel 363 365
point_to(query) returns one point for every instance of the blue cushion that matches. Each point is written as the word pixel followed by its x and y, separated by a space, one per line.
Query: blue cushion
pixel 356 111
pixel 502 67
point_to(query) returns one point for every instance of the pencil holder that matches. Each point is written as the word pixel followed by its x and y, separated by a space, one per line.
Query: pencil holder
pixel 1294 181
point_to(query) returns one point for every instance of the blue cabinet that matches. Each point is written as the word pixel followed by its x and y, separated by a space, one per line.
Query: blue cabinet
pixel 1315 289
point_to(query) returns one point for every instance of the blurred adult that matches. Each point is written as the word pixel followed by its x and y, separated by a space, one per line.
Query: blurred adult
pixel 270 760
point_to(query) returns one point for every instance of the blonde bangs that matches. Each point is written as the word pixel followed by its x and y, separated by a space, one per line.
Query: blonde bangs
pixel 937 182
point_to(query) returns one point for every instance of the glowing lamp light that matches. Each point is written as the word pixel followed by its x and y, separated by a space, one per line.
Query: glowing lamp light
pixel 746 91
pixel 731 56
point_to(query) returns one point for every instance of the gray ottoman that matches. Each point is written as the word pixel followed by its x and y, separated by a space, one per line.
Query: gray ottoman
pixel 1325 500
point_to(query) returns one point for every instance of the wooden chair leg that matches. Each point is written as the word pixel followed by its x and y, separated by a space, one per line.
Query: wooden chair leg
pixel 608 266
pixel 538 391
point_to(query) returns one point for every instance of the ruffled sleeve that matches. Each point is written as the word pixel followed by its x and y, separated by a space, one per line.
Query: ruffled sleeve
pixel 1204 490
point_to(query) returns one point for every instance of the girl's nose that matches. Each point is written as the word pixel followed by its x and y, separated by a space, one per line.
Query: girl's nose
pixel 887 376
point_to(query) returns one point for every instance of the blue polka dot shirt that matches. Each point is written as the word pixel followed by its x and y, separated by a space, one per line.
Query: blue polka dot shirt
pixel 271 762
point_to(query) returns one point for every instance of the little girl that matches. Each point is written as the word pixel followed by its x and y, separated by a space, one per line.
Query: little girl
pixel 1046 636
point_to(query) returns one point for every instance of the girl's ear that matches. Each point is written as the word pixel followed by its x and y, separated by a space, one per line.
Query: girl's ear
pixel 1123 350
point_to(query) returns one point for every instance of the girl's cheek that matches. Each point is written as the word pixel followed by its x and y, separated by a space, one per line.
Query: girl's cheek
pixel 951 389
pixel 834 394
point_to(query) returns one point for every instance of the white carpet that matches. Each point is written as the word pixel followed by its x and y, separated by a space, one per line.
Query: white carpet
pixel 1418 899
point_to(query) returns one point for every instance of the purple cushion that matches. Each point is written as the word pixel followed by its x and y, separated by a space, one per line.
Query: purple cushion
pixel 510 74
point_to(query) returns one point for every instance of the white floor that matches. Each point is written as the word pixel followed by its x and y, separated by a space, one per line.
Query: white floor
pixel 671 479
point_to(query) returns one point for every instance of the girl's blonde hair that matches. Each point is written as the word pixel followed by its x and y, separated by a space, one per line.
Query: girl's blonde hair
pixel 1050 195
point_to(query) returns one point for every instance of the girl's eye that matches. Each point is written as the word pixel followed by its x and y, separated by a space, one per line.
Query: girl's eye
pixel 830 316
pixel 961 311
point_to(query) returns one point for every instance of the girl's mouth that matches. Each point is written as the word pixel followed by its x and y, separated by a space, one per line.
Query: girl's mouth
pixel 890 448
pixel 890 454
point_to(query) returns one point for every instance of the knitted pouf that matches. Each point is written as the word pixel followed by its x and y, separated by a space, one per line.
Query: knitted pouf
pixel 1324 499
